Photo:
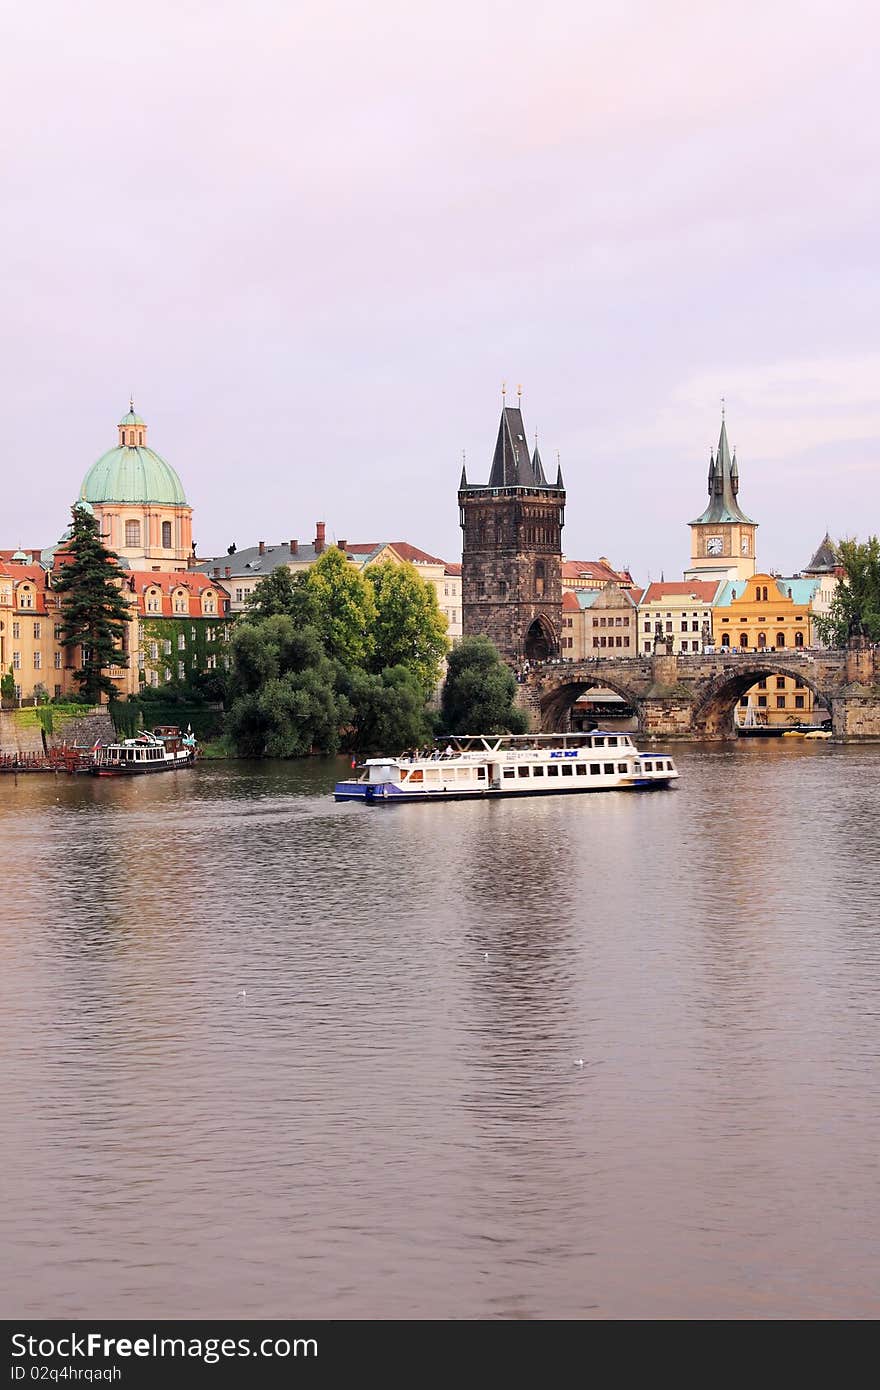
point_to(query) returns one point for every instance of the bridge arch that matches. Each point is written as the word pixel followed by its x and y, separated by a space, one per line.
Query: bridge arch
pixel 556 702
pixel 716 699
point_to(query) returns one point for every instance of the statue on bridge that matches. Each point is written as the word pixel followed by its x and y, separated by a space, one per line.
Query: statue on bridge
pixel 857 637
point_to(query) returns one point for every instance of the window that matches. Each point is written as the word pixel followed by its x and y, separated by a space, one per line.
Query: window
pixel 57 692
pixel 684 626
pixel 167 646
pixel 38 631
pixel 181 670
pixel 608 767
pixel 762 684
pixel 669 627
pixel 239 595
pixel 167 674
pixel 780 682
pixel 647 626
pixel 780 639
pixel 626 641
pixel 581 769
pixel 618 641
pixel 166 535
pixel 38 660
pixel 684 646
pixel 762 639
pixel 26 599
pixel 780 702
pixel 539 578
pixel 744 639
pixel 57 633
pixel 647 646
pixel 16 629
pixel 568 769
pixel 621 767
pixel 762 702
pixel 595 769
pixel 508 772
pixel 537 770
pixel 799 639
pixel 799 702
pixel 57 661
pixel 132 533
pixel 744 702
pixel 181 642
pixel 725 638
pixel 553 770
pixel 16 661
pixel 154 651
pixel 522 772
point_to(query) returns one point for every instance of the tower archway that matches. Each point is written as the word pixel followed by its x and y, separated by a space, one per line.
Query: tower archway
pixel 540 640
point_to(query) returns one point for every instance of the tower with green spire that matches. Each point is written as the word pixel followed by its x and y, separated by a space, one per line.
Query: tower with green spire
pixel 722 536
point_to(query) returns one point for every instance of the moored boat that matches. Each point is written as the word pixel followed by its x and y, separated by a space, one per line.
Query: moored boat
pixel 477 765
pixel 163 750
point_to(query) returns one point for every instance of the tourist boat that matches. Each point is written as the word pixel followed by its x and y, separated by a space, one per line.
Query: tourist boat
pixel 754 725
pixel 477 765
pixel 163 750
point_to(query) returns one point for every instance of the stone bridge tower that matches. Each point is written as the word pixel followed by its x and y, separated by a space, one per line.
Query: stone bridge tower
pixel 511 562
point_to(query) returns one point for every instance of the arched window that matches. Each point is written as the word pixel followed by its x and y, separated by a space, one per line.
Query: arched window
pixel 780 639
pixel 539 578
pixel 166 534
pixel 762 639
pixel 725 639
pixel 744 639
pixel 799 639
pixel 132 533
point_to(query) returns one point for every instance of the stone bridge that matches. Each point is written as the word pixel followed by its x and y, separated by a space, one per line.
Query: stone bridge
pixel 695 696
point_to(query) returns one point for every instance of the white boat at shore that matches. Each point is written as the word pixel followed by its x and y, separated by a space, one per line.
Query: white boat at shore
pixel 489 765
pixel 163 750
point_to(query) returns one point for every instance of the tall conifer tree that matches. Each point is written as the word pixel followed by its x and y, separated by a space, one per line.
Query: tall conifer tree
pixel 94 614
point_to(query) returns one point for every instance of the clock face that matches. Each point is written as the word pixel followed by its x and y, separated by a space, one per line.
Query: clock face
pixel 713 545
pixel 745 545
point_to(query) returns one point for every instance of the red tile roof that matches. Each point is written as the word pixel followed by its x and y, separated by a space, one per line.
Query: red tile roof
pixel 703 590
pixel 596 570
pixel 453 570
pixel 569 600
pixel 35 574
pixel 194 585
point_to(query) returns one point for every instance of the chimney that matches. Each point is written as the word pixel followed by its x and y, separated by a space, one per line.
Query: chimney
pixel 262 547
pixel 294 547
pixel 319 537
pixel 228 571
pixel 342 545
pixel 216 571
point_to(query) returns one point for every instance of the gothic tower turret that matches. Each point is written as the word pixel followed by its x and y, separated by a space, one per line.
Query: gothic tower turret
pixel 511 563
pixel 722 537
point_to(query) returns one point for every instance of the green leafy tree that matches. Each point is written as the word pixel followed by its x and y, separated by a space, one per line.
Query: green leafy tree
pixel 387 710
pixel 7 685
pixel 282 593
pixel 409 629
pixel 855 606
pixel 344 611
pixel 479 691
pixel 93 613
pixel 284 697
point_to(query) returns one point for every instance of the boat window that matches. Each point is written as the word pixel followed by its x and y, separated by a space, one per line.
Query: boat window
pixel 432 774
pixel 612 743
pixel 609 767
pixel 567 770
pixel 464 774
pixel 669 767
pixel 417 775
pixel 581 769
pixel 598 743
pixel 648 767
pixel 553 770
pixel 621 767
pixel 509 772
pixel 522 771
pixel 595 769
pixel 537 770
pixel 481 774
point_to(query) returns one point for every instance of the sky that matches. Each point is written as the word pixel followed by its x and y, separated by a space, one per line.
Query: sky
pixel 313 240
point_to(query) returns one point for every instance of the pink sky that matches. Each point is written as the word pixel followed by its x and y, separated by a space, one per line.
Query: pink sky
pixel 313 239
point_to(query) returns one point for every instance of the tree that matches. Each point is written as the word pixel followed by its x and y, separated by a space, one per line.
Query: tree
pixel 479 691
pixel 409 629
pixel 94 615
pixel 284 701
pixel 387 711
pixel 7 685
pixel 282 593
pixel 344 610
pixel 855 606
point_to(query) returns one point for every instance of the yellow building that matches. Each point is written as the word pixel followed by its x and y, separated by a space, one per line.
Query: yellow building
pixel 722 537
pixel 772 614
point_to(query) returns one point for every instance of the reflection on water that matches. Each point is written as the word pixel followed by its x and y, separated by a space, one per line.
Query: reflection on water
pixel 390 1122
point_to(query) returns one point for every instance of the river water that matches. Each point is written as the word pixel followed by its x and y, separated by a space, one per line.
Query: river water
pixel 388 1124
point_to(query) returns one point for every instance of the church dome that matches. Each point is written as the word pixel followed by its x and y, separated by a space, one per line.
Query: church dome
pixel 132 472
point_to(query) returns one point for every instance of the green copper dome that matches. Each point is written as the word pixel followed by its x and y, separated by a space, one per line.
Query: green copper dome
pixel 132 473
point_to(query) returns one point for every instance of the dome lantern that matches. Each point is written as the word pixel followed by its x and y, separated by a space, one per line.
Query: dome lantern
pixel 132 429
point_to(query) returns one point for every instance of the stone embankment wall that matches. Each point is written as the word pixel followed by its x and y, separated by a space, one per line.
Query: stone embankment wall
pixel 84 729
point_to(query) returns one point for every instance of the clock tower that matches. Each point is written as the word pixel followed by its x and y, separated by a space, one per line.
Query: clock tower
pixel 723 537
